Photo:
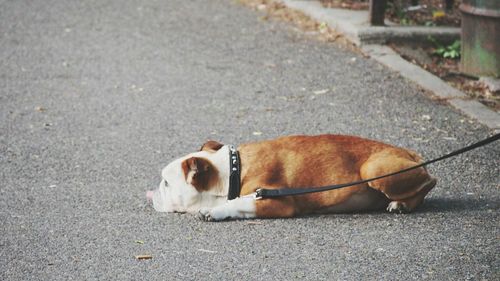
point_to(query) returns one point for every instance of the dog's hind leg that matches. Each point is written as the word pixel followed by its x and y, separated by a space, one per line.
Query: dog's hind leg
pixel 409 204
pixel 406 190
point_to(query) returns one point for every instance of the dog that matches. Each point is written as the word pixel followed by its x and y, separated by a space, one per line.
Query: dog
pixel 200 182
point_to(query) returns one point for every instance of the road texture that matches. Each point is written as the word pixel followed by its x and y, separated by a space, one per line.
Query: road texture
pixel 97 96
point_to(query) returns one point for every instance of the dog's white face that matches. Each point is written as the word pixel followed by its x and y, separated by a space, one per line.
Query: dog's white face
pixel 197 180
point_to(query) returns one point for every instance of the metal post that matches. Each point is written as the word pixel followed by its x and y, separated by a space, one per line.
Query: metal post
pixel 377 11
pixel 449 5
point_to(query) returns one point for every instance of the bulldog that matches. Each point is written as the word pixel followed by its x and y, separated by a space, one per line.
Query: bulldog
pixel 219 182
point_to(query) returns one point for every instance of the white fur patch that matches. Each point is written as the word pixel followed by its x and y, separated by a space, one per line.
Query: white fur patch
pixel 239 208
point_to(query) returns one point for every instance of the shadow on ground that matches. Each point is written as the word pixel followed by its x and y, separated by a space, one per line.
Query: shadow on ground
pixel 437 205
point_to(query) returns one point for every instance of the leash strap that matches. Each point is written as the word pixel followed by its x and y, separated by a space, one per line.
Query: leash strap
pixel 263 193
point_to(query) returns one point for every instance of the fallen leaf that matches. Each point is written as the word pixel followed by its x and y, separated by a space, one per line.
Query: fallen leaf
pixel 144 257
pixel 323 26
pixel 270 65
pixel 40 109
pixel 321 92
pixel 426 117
pixel 438 14
pixel 257 133
pixel 207 251
pixel 139 242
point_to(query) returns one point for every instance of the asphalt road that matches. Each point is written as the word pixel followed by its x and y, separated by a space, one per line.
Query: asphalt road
pixel 97 96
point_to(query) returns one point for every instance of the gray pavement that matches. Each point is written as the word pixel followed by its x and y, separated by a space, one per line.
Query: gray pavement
pixel 355 26
pixel 97 97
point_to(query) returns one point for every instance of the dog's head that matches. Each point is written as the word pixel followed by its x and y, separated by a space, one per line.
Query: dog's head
pixel 197 180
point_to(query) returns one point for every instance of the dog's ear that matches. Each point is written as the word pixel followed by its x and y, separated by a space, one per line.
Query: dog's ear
pixel 211 146
pixel 199 172
pixel 197 164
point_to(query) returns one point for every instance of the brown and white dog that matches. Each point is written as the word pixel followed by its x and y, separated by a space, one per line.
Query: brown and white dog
pixel 199 182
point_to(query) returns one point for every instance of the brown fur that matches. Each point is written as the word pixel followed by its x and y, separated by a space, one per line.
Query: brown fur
pixel 313 161
pixel 211 146
pixel 204 175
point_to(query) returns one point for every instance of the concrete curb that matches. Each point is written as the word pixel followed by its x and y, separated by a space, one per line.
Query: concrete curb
pixel 354 25
pixel 430 82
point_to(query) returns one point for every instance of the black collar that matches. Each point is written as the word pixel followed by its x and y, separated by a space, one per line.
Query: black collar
pixel 234 174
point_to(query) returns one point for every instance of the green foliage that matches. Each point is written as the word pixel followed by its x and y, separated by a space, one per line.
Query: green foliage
pixel 430 23
pixel 451 51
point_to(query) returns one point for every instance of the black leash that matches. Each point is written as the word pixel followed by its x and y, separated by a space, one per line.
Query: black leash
pixel 263 193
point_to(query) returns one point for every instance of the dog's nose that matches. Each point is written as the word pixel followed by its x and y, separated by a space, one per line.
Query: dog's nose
pixel 149 195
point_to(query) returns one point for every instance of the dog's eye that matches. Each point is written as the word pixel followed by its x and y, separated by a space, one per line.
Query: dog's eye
pixel 166 182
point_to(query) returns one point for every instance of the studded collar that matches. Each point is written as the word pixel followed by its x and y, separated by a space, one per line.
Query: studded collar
pixel 234 174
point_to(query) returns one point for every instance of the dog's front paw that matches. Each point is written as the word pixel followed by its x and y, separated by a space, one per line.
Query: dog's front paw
pixel 398 207
pixel 204 215
pixel 214 214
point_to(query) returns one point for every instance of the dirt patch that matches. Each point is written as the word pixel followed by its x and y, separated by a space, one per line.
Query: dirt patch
pixel 274 10
pixel 448 70
pixel 427 12
pixel 346 4
pixel 408 12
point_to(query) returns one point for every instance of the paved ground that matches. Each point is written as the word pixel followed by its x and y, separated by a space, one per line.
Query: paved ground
pixel 97 97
